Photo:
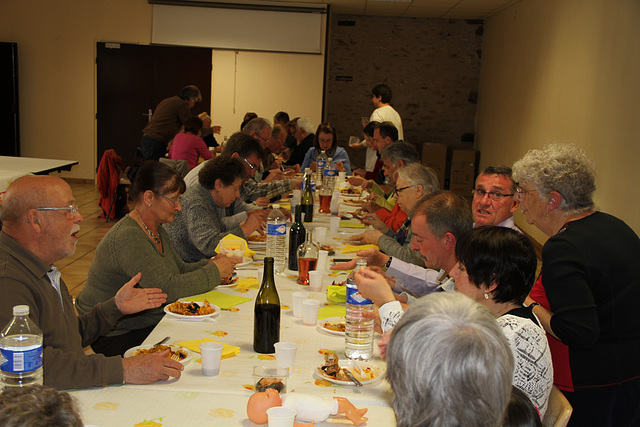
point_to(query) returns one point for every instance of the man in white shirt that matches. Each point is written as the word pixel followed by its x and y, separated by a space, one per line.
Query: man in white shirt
pixel 381 98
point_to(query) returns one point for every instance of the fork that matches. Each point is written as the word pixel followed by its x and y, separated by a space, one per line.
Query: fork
pixel 175 356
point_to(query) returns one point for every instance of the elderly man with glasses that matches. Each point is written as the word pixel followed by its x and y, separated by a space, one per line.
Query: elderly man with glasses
pixel 40 225
pixel 493 198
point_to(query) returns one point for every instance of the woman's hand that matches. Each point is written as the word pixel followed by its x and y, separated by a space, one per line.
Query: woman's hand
pixel 225 264
pixel 312 166
pixel 262 202
pixel 377 223
pixel 255 222
pixel 370 237
pixel 340 166
pixel 357 181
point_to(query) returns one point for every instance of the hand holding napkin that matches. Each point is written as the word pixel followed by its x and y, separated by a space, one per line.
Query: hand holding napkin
pixel 355 248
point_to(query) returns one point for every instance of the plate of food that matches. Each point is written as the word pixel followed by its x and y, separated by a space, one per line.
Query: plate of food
pixel 354 203
pixel 229 282
pixel 351 192
pixel 191 310
pixel 245 262
pixel 332 325
pixel 333 370
pixel 176 352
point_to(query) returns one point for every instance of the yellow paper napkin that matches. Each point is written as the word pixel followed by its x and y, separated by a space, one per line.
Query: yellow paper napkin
pixel 233 238
pixel 355 248
pixel 223 301
pixel 332 311
pixel 194 345
pixel 248 282
pixel 352 224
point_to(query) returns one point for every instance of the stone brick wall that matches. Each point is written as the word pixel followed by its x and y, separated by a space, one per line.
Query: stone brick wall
pixel 431 65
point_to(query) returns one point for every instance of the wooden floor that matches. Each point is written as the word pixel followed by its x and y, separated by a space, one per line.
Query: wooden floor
pixel 74 269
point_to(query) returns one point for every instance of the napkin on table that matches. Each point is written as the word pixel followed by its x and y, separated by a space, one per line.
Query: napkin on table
pixel 332 311
pixel 194 345
pixel 223 301
pixel 352 224
pixel 355 248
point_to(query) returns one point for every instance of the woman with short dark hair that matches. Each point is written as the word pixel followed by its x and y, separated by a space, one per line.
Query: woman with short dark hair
pixel 198 228
pixel 188 145
pixel 326 138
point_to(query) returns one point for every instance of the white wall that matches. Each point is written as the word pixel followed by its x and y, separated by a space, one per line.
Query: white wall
pixel 56 61
pixel 265 83
pixel 566 71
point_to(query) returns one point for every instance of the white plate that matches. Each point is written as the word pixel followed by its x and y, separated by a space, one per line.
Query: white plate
pixel 216 310
pixel 349 195
pixel 346 363
pixel 321 323
pixel 350 203
pixel 236 279
pixel 245 261
pixel 132 351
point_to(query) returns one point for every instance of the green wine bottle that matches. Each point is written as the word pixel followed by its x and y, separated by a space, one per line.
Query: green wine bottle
pixel 307 200
pixel 296 238
pixel 266 319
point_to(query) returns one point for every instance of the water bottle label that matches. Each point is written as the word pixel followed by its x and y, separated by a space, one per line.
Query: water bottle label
pixel 18 361
pixel 276 229
pixel 313 186
pixel 321 163
pixel 330 172
pixel 354 297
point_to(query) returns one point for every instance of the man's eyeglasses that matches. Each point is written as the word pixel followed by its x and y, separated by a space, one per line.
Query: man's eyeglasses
pixel 398 190
pixel 73 209
pixel 253 167
pixel 170 199
pixel 493 195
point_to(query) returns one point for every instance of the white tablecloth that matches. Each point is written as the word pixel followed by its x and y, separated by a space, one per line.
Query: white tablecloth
pixel 195 400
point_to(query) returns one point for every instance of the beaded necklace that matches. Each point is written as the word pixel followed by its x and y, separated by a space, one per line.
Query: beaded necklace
pixel 153 236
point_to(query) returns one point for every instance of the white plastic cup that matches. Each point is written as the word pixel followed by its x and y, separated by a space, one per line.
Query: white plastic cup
pixel 286 354
pixel 334 224
pixel 342 176
pixel 322 260
pixel 298 297
pixel 320 234
pixel 279 416
pixel 315 280
pixel 310 309
pixel 210 356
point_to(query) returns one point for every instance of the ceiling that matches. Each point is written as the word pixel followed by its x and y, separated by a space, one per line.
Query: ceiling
pixel 438 9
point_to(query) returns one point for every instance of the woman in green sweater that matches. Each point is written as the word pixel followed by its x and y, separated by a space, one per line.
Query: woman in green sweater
pixel 138 243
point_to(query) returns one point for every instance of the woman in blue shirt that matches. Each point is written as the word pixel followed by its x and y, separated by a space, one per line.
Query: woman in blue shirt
pixel 326 139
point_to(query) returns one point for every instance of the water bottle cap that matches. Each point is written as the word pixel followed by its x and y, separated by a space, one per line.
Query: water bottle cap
pixel 276 206
pixel 20 310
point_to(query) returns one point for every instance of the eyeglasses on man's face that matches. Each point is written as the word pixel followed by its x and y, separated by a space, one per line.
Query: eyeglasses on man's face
pixel 496 196
pixel 72 209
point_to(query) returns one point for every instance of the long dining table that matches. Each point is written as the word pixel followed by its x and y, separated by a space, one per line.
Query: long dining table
pixel 195 400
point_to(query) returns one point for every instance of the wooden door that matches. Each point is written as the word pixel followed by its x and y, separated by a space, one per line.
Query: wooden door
pixel 133 79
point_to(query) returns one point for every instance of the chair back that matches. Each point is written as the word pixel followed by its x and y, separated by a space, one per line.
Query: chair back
pixel 558 410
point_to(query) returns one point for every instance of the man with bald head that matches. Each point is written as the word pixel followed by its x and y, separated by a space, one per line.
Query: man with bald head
pixel 40 225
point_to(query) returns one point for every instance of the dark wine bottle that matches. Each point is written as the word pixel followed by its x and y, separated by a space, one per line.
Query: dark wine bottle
pixel 266 313
pixel 307 200
pixel 296 238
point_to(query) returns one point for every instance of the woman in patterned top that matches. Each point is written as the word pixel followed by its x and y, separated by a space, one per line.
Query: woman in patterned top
pixel 496 267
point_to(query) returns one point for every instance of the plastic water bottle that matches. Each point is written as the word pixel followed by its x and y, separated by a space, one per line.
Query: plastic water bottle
pixel 320 165
pixel 277 238
pixel 21 350
pixel 330 176
pixel 358 336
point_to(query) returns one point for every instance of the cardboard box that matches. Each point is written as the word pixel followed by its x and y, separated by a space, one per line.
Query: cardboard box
pixel 463 171
pixel 435 156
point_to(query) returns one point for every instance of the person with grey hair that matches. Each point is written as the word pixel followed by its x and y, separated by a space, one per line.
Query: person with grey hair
pixel 383 207
pixel 413 182
pixel 587 292
pixel 261 129
pixel 494 199
pixel 38 406
pixel 166 121
pixel 449 364
pixel 305 137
